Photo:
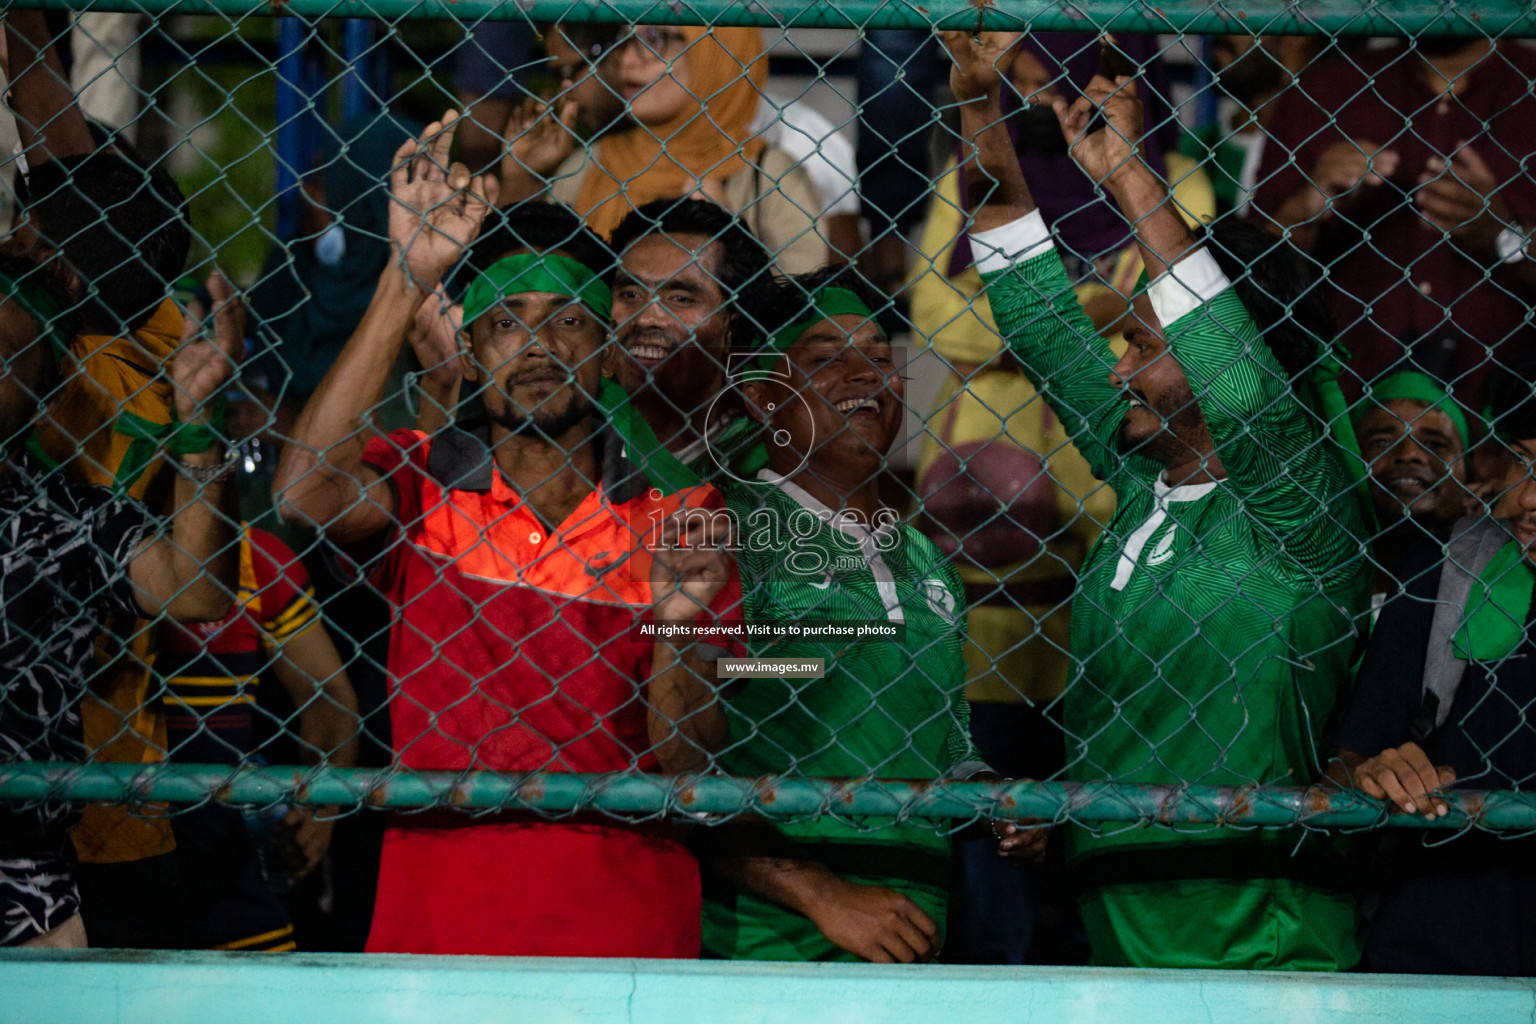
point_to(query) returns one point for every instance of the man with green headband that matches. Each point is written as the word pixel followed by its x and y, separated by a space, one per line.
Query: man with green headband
pixel 1414 436
pixel 816 546
pixel 1214 622
pixel 72 555
pixel 521 570
pixel 1443 701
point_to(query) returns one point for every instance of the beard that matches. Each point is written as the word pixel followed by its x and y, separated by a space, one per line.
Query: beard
pixel 1037 131
pixel 543 421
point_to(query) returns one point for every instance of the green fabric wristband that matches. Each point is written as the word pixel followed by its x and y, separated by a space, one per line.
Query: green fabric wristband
pixel 537 272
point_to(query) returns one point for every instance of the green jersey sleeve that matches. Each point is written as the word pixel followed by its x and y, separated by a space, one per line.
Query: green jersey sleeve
pixel 1276 459
pixel 1063 356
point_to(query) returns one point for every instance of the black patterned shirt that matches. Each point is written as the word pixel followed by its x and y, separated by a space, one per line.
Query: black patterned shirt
pixel 64 554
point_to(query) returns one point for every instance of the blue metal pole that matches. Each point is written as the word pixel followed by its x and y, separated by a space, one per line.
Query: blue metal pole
pixel 291 33
pixel 357 42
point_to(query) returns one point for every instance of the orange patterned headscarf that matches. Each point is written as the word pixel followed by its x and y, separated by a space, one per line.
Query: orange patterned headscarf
pixel 706 141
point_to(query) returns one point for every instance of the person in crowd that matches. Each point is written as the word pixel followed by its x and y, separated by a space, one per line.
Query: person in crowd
pixel 1232 560
pixel 816 544
pixel 489 69
pixel 592 93
pixel 209 673
pixel 73 556
pixel 312 293
pixel 1415 438
pixel 1440 705
pixel 1250 71
pixel 517 568
pixel 116 230
pixel 692 95
pixel 1413 219
pixel 693 288
pixel 1003 491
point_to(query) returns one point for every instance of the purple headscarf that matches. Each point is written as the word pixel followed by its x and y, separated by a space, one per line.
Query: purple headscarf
pixel 1086 224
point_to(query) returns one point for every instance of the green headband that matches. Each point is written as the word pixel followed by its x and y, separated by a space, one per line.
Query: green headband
pixel 41 307
pixel 1413 386
pixel 825 304
pixel 537 272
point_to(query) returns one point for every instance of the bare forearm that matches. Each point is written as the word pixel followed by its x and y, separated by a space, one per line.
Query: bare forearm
pixel 435 404
pixel 800 885
pixel 319 475
pixel 995 182
pixel 202 553
pixel 1161 233
pixel 329 729
pixel 686 720
pixel 47 116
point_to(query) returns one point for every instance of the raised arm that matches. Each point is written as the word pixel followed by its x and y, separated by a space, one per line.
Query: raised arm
pixel 434 214
pixel 1274 455
pixel 49 121
pixel 191 574
pixel 1032 300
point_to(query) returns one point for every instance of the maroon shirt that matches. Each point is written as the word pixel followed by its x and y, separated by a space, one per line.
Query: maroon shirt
pixel 1398 287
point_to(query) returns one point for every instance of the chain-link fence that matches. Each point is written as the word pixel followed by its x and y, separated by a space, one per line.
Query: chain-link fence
pixel 1078 422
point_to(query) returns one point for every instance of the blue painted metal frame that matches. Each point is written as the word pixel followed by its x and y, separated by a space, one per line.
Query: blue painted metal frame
pixel 103 987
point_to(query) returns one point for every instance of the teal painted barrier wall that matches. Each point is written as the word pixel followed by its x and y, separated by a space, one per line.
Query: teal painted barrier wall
pixel 52 987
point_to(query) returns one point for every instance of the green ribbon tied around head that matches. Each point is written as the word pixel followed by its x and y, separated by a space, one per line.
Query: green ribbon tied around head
pixel 537 272
pixel 40 306
pixel 1493 622
pixel 1413 386
pixel 825 304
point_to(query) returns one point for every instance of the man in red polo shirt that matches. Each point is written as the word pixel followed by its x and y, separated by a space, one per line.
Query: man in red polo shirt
pixel 518 570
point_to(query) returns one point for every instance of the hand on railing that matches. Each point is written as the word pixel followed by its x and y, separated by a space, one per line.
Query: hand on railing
pixel 539 138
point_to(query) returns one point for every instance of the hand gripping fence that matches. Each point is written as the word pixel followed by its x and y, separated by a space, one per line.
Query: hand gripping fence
pixel 1187 655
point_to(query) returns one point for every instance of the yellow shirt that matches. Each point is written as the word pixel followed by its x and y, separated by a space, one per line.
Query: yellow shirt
pixel 121 723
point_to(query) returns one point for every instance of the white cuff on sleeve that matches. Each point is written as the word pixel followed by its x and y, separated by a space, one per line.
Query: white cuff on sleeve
pixel 1000 248
pixel 1188 284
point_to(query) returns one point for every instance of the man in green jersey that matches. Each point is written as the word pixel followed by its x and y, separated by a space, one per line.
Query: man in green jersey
pixel 816 546
pixel 1213 624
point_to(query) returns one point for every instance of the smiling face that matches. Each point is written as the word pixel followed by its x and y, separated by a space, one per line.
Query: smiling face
pixel 673 323
pixel 1416 462
pixel 1163 421
pixel 845 371
pixel 541 356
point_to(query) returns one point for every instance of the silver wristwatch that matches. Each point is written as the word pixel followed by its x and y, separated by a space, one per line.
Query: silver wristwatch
pixel 208 474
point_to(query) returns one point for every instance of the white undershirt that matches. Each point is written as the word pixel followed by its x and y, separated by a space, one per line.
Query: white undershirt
pixel 869 541
pixel 1163 497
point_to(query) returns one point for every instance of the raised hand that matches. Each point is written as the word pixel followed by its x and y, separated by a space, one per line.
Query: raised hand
pixel 981 61
pixel 1113 153
pixel 434 213
pixel 1464 200
pixel 689 564
pixel 434 337
pixel 539 138
pixel 202 364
